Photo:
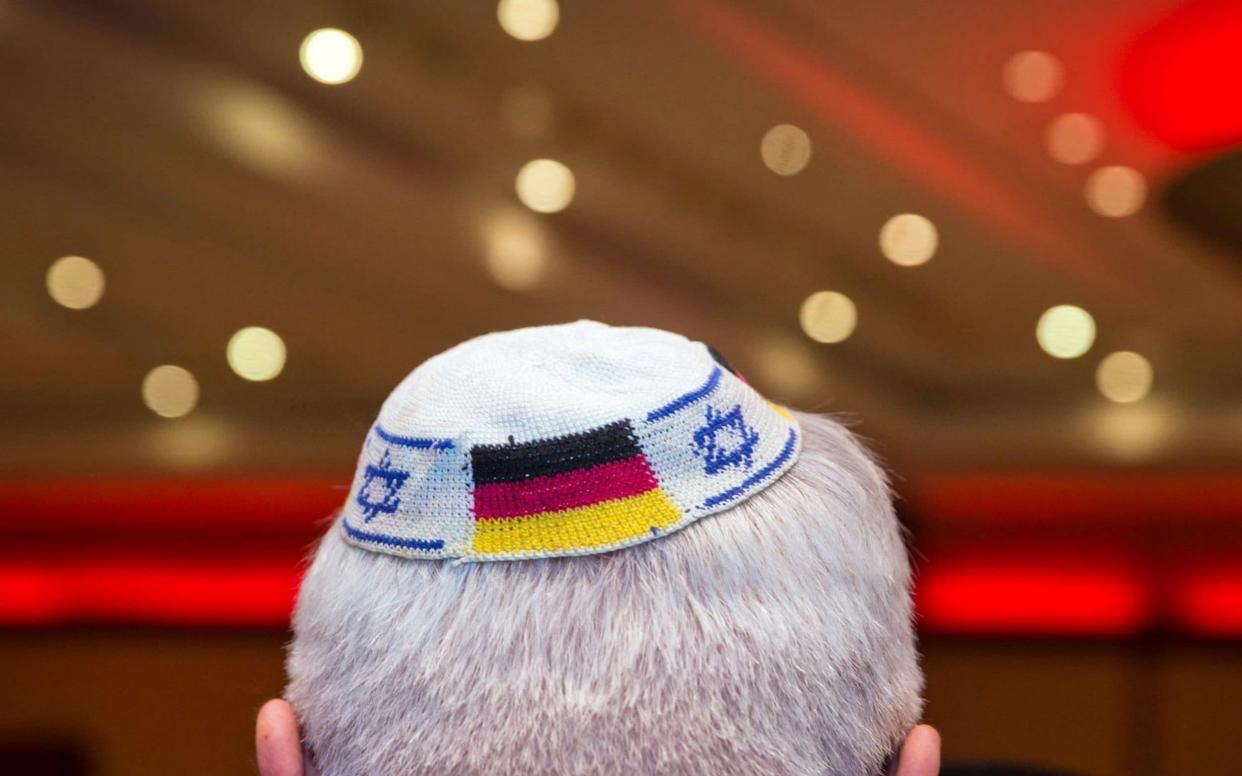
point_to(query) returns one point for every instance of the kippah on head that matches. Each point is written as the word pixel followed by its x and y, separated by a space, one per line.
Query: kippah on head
pixel 561 440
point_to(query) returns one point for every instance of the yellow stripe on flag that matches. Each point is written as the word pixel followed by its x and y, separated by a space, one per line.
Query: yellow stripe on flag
pixel 597 525
pixel 782 411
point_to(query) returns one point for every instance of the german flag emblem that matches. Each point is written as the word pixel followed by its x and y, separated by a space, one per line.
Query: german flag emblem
pixel 559 495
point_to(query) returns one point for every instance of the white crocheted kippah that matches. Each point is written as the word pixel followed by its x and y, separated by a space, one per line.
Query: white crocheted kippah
pixel 561 440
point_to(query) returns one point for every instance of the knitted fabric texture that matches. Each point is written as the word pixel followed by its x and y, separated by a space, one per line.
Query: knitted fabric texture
pixel 561 440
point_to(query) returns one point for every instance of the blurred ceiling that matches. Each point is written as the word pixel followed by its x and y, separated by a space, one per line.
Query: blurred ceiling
pixel 181 147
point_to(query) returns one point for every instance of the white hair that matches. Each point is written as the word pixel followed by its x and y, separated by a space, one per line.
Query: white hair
pixel 774 638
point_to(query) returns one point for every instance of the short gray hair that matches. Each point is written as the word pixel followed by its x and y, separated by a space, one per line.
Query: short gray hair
pixel 774 638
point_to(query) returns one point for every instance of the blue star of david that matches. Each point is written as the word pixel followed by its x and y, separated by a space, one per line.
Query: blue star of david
pixel 390 480
pixel 725 440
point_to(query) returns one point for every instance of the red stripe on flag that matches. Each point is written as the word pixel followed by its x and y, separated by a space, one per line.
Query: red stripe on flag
pixel 568 490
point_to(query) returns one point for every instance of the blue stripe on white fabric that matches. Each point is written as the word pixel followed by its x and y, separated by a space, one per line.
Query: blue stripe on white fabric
pixel 790 444
pixel 681 402
pixel 416 443
pixel 409 543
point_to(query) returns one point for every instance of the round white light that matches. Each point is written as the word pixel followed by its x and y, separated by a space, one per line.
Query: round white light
pixel 528 19
pixel 331 56
pixel 828 316
pixel 908 239
pixel 75 282
pixel 1032 76
pixel 1124 377
pixel 545 185
pixel 256 353
pixel 1065 331
pixel 170 391
pixel 785 149
pixel 1074 138
pixel 1116 191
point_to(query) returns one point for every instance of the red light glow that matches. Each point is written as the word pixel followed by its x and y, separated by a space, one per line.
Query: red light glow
pixel 1027 596
pixel 145 591
pixel 295 504
pixel 1079 499
pixel 230 552
pixel 1210 602
pixel 1180 77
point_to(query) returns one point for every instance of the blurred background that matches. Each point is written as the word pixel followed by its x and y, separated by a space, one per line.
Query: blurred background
pixel 1003 238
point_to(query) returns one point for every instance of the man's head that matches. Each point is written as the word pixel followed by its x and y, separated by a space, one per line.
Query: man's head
pixel 770 633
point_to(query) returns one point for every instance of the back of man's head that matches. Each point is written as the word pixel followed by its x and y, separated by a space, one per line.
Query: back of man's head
pixel 771 637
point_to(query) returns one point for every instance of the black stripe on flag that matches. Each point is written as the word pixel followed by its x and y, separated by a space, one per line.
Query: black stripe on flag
pixel 519 461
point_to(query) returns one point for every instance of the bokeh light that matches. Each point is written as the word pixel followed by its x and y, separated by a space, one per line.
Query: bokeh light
pixel 828 316
pixel 170 391
pixel 1033 76
pixel 514 250
pixel 1074 138
pixel 1116 191
pixel 262 129
pixel 1133 432
pixel 1065 331
pixel 908 239
pixel 1124 377
pixel 528 19
pixel 545 185
pixel 331 56
pixel 197 442
pixel 787 367
pixel 256 353
pixel 785 149
pixel 75 282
